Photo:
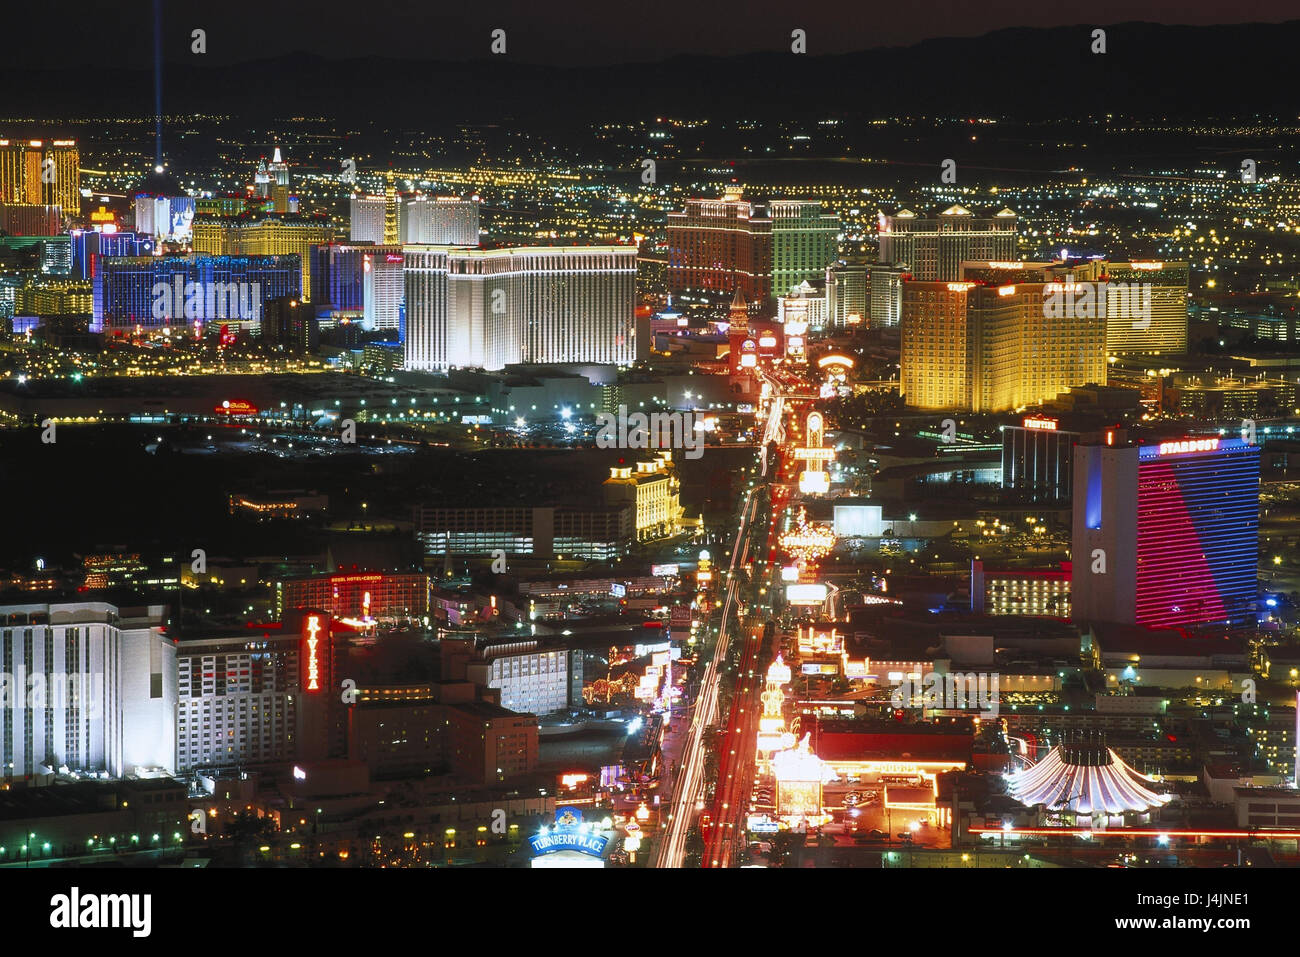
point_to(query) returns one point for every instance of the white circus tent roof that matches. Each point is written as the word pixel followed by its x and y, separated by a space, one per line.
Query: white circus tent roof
pixel 1085 781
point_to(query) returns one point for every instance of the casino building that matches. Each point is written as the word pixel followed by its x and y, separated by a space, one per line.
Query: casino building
pixel 357 282
pixel 261 698
pixel 364 596
pixel 158 291
pixel 1166 534
pixel 598 533
pixel 1036 461
pixel 490 308
pixel 652 490
pixel 237 701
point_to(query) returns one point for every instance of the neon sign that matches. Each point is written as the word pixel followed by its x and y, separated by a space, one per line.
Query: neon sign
pixel 236 407
pixel 569 833
pixel 313 660
pixel 1047 424
pixel 1189 445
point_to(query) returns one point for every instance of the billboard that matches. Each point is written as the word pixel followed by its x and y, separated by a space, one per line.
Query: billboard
pixel 820 668
pixel 805 594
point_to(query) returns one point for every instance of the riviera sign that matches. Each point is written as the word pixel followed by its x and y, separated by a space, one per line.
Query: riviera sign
pixel 313 660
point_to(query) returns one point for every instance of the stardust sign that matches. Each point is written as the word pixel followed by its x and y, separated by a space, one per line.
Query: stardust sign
pixel 1189 445
pixel 569 833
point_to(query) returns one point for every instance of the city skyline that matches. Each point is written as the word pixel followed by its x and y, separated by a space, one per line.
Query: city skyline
pixel 651 438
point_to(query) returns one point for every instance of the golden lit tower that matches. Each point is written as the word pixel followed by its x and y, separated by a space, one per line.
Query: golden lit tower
pixel 390 211
pixel 41 173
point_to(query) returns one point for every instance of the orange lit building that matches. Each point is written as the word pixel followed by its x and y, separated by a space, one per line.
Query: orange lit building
pixel 358 595
pixel 719 245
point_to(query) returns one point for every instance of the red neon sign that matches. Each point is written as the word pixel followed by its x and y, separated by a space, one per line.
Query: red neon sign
pixel 236 407
pixel 313 660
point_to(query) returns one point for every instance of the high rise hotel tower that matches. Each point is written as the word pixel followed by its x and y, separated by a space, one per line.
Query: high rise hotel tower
pixel 438 221
pixel 87 686
pixel 716 246
pixel 489 308
pixel 41 173
pixel 933 248
pixel 1164 331
pixel 1166 534
pixel 991 343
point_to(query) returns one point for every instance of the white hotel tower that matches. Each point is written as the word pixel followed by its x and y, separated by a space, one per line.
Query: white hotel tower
pixel 438 221
pixel 489 308
pixel 86 688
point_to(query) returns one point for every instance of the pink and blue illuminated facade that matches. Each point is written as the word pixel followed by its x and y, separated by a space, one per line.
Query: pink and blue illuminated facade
pixel 1167 534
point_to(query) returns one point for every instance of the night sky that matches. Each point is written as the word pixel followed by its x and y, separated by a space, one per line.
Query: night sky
pixel 557 32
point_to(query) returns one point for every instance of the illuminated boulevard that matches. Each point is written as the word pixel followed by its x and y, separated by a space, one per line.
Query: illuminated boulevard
pixel 736 750
pixel 752 584
pixel 688 788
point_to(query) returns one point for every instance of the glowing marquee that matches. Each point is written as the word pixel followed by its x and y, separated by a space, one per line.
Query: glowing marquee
pixel 1049 425
pixel 814 479
pixel 808 542
pixel 313 659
